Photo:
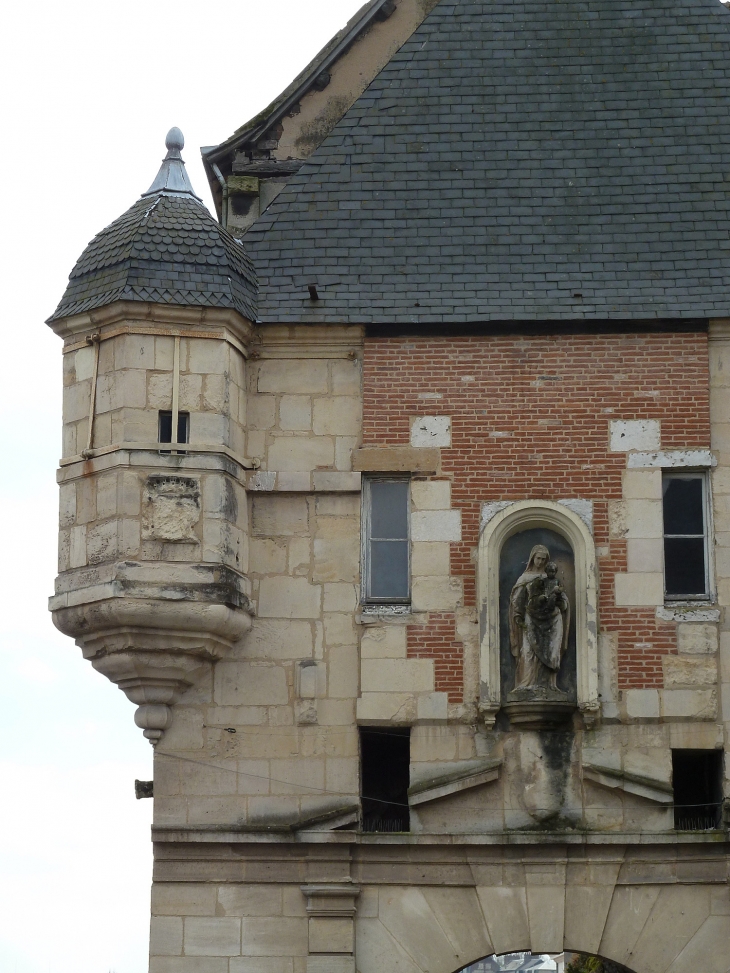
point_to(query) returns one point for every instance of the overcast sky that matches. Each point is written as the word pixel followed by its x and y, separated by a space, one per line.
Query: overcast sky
pixel 89 92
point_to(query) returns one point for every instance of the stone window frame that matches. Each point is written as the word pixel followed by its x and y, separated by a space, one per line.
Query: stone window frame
pixel 512 519
pixel 709 596
pixel 381 604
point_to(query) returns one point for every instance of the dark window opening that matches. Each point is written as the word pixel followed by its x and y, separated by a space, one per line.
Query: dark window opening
pixel 165 428
pixel 385 757
pixel 697 779
pixel 387 546
pixel 685 536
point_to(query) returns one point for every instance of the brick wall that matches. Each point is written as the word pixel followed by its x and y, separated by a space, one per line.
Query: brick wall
pixel 530 420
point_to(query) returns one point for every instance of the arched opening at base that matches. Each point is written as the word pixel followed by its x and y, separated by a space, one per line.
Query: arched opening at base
pixel 527 962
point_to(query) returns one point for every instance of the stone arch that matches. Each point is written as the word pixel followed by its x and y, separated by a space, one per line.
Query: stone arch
pixel 646 928
pixel 502 522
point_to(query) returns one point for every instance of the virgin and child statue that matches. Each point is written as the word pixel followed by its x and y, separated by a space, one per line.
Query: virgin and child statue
pixel 539 623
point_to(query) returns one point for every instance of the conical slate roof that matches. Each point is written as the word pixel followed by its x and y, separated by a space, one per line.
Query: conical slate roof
pixel 519 160
pixel 167 249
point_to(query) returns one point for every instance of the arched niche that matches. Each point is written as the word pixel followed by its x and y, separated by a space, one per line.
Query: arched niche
pixel 515 518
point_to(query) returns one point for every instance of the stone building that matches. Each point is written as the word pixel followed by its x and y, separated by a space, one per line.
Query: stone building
pixel 397 498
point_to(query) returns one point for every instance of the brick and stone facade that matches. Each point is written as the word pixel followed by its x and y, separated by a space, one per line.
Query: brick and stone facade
pixel 521 367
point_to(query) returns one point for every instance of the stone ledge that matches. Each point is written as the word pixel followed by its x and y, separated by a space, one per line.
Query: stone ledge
pixel 433 788
pixel 647 787
pixel 319 481
pixel 671 459
pixel 397 459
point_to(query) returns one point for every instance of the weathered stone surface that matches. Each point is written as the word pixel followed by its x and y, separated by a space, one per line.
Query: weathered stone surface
pixel 281 597
pixel 681 671
pixel 396 459
pixel 628 434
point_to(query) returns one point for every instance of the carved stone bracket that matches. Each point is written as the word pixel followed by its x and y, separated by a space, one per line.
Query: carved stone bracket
pixel 152 649
pixel 331 910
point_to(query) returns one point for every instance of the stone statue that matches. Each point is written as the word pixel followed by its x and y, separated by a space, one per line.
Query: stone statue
pixel 539 621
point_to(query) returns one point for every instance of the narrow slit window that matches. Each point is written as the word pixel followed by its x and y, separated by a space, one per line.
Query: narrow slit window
pixel 385 756
pixel 686 567
pixel 697 785
pixel 386 553
pixel 165 428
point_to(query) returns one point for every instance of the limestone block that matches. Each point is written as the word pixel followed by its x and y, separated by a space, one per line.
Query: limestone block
pixel 300 453
pixel 725 657
pixel 337 558
pixel 642 484
pixel 431 745
pixel 339 629
pixel 256 443
pixel 459 915
pixel 282 597
pixel 296 376
pixel 430 559
pixel 261 964
pixel 707 950
pixel 546 909
pixel 331 935
pixel 267 557
pixel 334 963
pixel 695 736
pixel 279 639
pixel 206 355
pixel 697 638
pixel 388 642
pixel 644 519
pixel 253 779
pixel 688 703
pixel 134 351
pixel 76 401
pixel 209 428
pixel 437 594
pixel 249 900
pixel 186 732
pixel 243 684
pixel 586 909
pixel 279 516
pixel 617 518
pixel 505 911
pixel 183 899
pixel 682 670
pixel 261 411
pixel 126 388
pixel 334 506
pixel 436 525
pixel 655 763
pixel 340 597
pixel 339 415
pixel 326 480
pixel 406 914
pixel 311 679
pixel 83 363
pixel 188 964
pixel 300 776
pixel 629 434
pixel 396 459
pixel 678 914
pixel 219 936
pixel 346 377
pixel 642 703
pixel 295 412
pixel 342 775
pixel 397 675
pixel 159 390
pixel 106 496
pixel 433 706
pixel 345 446
pixel 645 555
pixel 639 589
pixel 386 707
pixel 343 672
pixel 431 431
pixel 721 509
pixel 378 950
pixel 431 494
pixel 166 936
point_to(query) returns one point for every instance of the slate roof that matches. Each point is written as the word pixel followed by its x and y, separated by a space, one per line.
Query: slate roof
pixel 519 160
pixel 167 249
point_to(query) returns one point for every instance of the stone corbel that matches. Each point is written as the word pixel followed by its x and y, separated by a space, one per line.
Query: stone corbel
pixel 649 788
pixel 331 913
pixel 471 773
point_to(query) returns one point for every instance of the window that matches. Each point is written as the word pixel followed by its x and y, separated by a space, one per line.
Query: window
pixel 386 546
pixel 686 567
pixel 385 757
pixel 165 428
pixel 697 782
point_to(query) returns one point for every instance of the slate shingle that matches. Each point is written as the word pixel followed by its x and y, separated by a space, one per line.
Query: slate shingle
pixel 167 249
pixel 511 146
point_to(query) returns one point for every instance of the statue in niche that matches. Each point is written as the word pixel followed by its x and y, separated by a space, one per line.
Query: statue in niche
pixel 539 623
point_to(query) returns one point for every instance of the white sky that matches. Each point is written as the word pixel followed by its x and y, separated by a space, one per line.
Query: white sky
pixel 89 91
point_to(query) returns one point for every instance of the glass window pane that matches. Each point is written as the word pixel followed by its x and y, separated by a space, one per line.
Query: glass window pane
pixel 389 569
pixel 683 508
pixel 684 566
pixel 389 509
pixel 166 427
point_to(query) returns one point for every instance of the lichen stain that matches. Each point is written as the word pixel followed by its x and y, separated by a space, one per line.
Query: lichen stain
pixel 316 131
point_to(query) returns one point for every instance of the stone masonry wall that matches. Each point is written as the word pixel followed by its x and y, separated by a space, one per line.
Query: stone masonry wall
pixel 531 417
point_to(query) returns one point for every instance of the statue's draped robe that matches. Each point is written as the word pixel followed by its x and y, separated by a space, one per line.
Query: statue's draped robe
pixel 538 646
